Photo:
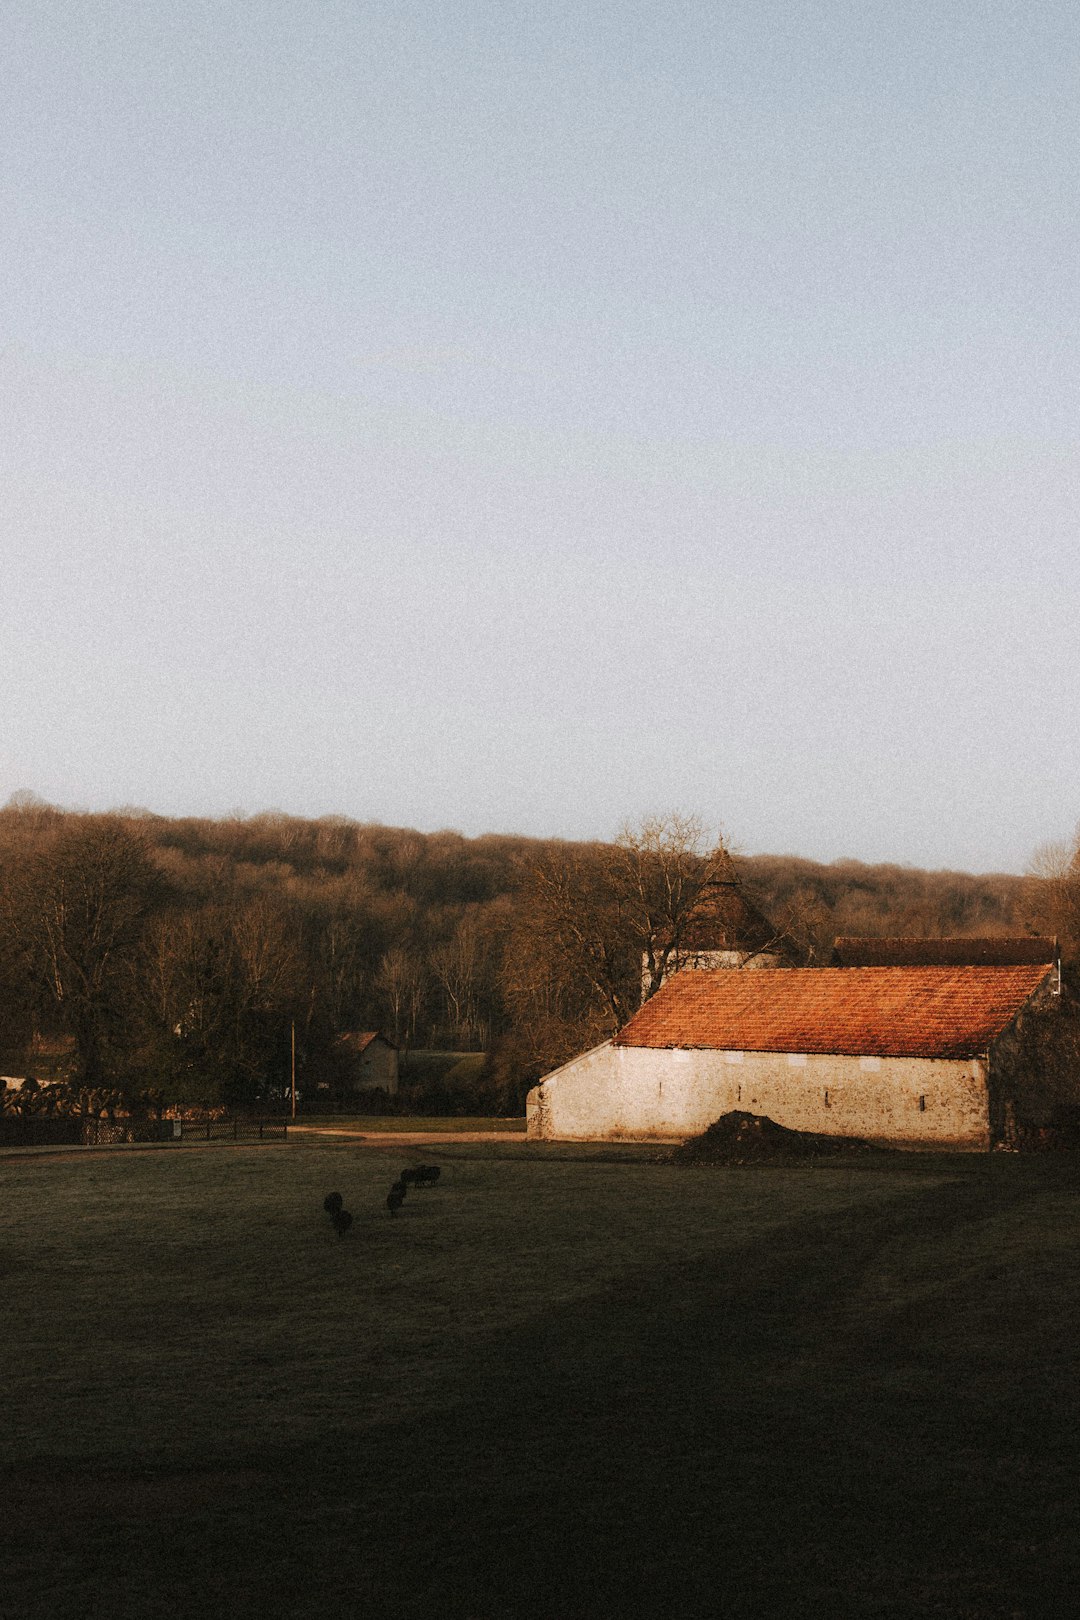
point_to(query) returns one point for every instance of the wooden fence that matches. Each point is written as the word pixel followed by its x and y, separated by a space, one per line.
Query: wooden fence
pixel 36 1130
pixel 238 1129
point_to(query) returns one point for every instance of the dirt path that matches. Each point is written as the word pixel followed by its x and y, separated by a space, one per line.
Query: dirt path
pixel 403 1138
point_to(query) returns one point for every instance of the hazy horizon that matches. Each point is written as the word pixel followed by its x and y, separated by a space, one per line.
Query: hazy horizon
pixel 530 417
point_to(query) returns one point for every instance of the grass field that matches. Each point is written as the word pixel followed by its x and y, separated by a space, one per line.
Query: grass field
pixel 566 1381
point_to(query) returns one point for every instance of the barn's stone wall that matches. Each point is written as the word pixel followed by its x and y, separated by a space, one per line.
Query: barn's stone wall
pixel 634 1092
pixel 1035 1063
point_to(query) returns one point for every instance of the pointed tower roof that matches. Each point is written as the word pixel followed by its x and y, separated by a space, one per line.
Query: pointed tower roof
pixel 724 919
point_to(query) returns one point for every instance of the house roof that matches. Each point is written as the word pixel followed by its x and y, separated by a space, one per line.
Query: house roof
pixel 358 1041
pixel 885 1012
pixel 852 951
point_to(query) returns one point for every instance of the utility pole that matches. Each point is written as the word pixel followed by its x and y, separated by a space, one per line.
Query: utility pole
pixel 293 1071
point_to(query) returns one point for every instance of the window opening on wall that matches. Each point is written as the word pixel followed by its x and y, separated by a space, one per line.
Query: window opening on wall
pixel 828 1104
pixel 922 1105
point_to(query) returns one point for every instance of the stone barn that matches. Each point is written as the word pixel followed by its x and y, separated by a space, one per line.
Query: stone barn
pixel 952 1057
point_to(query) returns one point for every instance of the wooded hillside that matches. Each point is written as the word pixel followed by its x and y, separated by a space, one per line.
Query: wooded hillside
pixel 174 955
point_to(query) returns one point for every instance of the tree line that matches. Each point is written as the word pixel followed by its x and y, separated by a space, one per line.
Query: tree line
pixel 170 960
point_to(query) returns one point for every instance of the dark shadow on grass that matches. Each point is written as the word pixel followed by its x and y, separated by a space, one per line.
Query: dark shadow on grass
pixel 767 1433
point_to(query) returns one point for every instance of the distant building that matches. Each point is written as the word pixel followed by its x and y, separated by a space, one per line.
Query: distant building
pixel 1028 951
pixel 724 930
pixel 958 1057
pixel 366 1061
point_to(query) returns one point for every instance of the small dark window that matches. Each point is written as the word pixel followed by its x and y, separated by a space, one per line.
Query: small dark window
pixel 922 1105
pixel 827 1102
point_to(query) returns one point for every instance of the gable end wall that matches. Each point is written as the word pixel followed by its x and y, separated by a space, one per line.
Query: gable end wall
pixel 377 1067
pixel 1035 1064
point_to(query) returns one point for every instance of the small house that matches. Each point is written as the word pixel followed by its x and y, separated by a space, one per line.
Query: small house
pixel 366 1061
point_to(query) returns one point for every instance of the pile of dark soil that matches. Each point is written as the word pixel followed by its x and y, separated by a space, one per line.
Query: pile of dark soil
pixel 742 1138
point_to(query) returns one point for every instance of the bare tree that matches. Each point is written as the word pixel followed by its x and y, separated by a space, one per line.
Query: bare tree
pixel 580 931
pixel 1053 893
pixel 600 923
pixel 219 988
pixel 340 967
pixel 663 869
pixel 400 983
pixel 461 968
pixel 78 907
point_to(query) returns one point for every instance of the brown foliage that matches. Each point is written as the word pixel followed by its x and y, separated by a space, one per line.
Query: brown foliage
pixel 1053 894
pixel 75 906
pixel 533 946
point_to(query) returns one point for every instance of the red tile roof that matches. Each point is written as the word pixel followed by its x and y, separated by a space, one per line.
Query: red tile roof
pixel 358 1041
pixel 852 951
pixel 884 1012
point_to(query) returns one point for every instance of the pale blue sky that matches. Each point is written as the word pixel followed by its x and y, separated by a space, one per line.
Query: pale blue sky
pixel 520 417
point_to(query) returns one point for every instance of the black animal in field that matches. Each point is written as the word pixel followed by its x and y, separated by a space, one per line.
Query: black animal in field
pixel 395 1198
pixel 424 1175
pixel 342 1221
pixel 332 1204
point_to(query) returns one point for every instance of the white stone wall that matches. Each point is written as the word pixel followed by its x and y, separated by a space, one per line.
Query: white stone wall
pixel 698 961
pixel 635 1093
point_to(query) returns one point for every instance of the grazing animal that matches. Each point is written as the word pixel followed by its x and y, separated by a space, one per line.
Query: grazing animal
pixel 400 1186
pixel 342 1221
pixel 394 1200
pixel 424 1175
pixel 332 1203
